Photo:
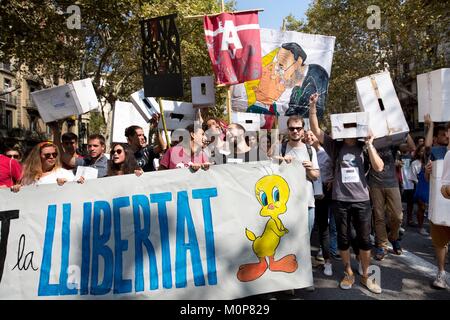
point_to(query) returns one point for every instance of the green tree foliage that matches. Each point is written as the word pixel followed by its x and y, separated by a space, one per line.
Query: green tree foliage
pixel 412 34
pixel 107 48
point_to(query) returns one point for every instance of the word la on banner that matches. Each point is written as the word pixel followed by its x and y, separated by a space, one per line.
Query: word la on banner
pixel 234 46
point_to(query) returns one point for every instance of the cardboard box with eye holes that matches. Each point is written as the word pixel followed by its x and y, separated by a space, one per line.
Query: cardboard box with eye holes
pixel 376 95
pixel 433 95
pixel 146 106
pixel 203 91
pixel 250 121
pixel 349 125
pixel 63 101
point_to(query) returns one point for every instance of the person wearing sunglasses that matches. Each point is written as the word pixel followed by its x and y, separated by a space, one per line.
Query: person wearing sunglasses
pixel 43 166
pixel 10 168
pixel 122 161
pixel 14 152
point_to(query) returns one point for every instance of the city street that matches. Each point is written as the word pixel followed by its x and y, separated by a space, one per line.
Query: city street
pixel 405 277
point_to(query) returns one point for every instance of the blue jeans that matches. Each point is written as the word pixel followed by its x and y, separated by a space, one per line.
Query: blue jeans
pixel 333 234
pixel 311 215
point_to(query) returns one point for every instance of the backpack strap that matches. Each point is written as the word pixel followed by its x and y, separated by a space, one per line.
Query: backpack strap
pixel 308 147
pixel 283 148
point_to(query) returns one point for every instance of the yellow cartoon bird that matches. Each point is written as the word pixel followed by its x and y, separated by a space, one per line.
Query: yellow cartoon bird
pixel 272 192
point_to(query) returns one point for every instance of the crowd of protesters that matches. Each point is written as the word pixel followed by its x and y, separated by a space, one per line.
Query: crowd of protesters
pixel 355 191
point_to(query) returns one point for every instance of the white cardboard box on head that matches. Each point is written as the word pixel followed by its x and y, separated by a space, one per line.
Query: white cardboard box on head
pixel 147 106
pixel 349 125
pixel 376 95
pixel 203 91
pixel 124 115
pixel 433 95
pixel 63 101
pixel 438 208
pixel 178 114
pixel 250 121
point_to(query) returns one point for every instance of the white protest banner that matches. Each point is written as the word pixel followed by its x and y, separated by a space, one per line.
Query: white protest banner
pixel 125 115
pixel 225 233
pixel 294 66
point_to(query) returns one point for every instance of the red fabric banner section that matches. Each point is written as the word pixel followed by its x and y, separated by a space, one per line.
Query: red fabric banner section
pixel 234 46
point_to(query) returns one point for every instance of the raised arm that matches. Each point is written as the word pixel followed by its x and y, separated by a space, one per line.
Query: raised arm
pixel 375 160
pixel 313 121
pixel 429 136
pixel 411 144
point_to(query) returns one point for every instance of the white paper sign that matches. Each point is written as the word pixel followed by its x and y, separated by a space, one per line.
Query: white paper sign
pixel 125 115
pixel 433 95
pixel 87 172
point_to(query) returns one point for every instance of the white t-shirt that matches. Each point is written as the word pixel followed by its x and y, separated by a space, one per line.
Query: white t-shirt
pixel 58 173
pixel 446 172
pixel 301 154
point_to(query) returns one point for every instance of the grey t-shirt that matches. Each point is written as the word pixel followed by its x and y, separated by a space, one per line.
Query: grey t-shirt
pixel 386 178
pixel 101 164
pixel 349 182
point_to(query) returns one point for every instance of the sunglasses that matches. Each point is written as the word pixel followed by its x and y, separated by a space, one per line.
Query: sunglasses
pixel 118 151
pixel 50 155
pixel 15 156
pixel 295 128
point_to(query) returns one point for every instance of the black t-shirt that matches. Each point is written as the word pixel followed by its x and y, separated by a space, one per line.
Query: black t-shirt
pixel 144 158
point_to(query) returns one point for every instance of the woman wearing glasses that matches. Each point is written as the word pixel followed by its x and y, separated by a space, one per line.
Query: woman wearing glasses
pixel 43 166
pixel 14 152
pixel 122 161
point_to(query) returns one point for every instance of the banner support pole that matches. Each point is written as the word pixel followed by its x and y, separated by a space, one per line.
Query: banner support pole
pixel 163 118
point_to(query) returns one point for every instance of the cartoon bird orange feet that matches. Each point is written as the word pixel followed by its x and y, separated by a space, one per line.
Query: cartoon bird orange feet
pixel 252 271
pixel 286 264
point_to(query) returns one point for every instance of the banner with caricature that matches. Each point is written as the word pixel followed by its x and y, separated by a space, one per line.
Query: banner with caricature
pixel 294 66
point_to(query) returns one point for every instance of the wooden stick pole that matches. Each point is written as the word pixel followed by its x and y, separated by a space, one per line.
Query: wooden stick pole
pixel 229 103
pixel 163 118
pixel 215 14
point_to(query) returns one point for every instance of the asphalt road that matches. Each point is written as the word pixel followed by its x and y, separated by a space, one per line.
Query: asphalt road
pixel 405 277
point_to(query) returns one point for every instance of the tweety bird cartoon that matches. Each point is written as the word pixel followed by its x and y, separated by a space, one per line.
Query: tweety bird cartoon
pixel 272 192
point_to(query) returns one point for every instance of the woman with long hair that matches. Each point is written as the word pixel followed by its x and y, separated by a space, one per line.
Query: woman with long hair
pixel 122 161
pixel 43 166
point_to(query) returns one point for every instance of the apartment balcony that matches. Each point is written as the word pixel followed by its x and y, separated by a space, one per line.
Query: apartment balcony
pixel 6 67
pixel 10 99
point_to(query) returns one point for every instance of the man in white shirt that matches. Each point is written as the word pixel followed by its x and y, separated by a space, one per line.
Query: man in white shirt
pixel 296 149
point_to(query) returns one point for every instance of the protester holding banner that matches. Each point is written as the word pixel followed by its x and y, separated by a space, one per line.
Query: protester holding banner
pixel 43 166
pixel 122 161
pixel 143 152
pixel 67 145
pixel 187 154
pixel 96 158
pixel 350 195
pixel 10 171
pixel 14 152
pixel 237 150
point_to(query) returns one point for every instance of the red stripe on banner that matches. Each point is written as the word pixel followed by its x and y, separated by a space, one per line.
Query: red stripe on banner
pixel 234 46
